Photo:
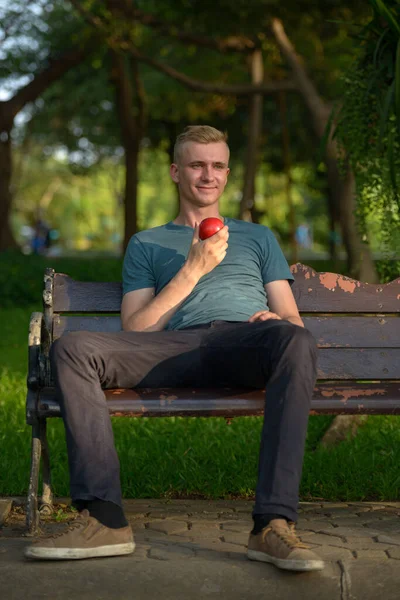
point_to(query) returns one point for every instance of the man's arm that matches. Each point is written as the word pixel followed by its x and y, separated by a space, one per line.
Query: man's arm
pixel 281 302
pixel 141 310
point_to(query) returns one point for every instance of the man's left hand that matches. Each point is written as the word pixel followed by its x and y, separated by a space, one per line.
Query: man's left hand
pixel 263 315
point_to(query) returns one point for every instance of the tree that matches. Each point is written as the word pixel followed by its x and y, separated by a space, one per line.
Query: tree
pixel 42 72
pixel 341 188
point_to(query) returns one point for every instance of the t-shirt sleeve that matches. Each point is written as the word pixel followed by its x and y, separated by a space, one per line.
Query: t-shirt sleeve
pixel 137 272
pixel 275 266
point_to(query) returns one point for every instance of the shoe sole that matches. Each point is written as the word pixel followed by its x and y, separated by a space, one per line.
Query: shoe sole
pixel 77 553
pixel 288 565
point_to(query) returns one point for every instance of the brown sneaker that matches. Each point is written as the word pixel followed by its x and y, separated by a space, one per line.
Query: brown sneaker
pixel 278 544
pixel 85 537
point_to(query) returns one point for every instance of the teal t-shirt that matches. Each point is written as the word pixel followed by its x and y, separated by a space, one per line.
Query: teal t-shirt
pixel 233 291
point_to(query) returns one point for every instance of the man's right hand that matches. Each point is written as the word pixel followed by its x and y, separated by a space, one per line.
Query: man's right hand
pixel 205 255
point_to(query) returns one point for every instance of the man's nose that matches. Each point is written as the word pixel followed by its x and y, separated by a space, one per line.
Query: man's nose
pixel 207 172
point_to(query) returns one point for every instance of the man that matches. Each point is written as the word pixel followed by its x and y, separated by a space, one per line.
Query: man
pixel 194 313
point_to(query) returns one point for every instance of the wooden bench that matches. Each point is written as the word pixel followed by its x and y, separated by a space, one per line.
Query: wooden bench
pixel 356 325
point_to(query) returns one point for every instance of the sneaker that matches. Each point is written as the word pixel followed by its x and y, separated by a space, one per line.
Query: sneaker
pixel 278 544
pixel 85 537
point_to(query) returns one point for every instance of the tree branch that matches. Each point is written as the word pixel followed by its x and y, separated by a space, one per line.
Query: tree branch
pixel 230 44
pixel 192 84
pixel 127 10
pixel 56 68
pixel 210 87
pixel 303 82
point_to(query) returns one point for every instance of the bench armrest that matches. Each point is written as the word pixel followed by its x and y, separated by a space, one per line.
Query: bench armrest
pixel 39 341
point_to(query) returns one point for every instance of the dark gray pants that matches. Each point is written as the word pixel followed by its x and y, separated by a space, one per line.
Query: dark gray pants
pixel 274 353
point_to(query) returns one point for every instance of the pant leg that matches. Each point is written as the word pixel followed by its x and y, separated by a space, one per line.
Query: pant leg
pixel 281 356
pixel 84 363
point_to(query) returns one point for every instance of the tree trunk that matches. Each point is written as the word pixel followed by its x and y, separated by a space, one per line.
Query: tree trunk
pixel 55 69
pixel 360 262
pixel 7 239
pixel 131 132
pixel 288 176
pixel 247 203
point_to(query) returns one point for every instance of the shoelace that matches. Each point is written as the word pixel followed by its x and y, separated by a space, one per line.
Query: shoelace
pixel 71 525
pixel 288 536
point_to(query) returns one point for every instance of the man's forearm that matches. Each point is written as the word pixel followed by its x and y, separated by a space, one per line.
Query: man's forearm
pixel 155 315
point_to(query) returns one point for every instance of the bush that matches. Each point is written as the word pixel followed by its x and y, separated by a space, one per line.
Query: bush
pixel 21 276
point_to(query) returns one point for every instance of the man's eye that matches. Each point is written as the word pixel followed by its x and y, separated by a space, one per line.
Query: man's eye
pixel 219 167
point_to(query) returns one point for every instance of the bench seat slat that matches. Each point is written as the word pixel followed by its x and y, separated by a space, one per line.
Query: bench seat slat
pixel 379 398
pixel 336 332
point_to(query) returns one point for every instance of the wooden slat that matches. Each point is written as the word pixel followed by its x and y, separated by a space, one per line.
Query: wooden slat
pixel 314 292
pixel 355 332
pixel 65 324
pixel 335 332
pixel 329 292
pixel 378 398
pixel 85 296
pixel 334 362
pixel 359 363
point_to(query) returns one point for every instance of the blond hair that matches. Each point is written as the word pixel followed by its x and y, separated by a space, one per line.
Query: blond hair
pixel 202 134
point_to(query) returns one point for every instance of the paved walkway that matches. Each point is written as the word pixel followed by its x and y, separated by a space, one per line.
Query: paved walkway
pixel 196 549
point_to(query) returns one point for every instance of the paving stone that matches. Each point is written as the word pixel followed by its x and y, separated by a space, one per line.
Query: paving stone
pixel 200 526
pixel 170 552
pixel 361 543
pixel 359 508
pixel 201 534
pixel 150 535
pixel 352 522
pixel 137 525
pixel 394 553
pixel 330 553
pixel 310 508
pixel 351 532
pixel 241 539
pixel 5 509
pixel 141 552
pixel 322 539
pixel 206 516
pixel 159 513
pixel 238 526
pixel 386 539
pixel 370 505
pixel 168 527
pixel 371 555
pixel 392 525
pixel 224 550
pixel 315 525
pixel 370 517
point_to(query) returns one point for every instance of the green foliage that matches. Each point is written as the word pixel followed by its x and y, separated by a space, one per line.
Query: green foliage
pixel 21 277
pixel 368 128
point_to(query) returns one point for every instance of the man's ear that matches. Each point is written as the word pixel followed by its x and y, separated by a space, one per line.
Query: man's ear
pixel 174 172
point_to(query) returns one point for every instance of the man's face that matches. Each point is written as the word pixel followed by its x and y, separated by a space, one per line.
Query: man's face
pixel 201 172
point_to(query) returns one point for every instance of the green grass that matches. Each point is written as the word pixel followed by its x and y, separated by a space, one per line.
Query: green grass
pixel 176 457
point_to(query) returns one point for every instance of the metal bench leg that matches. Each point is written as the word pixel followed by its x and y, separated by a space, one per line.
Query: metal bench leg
pixel 46 505
pixel 32 514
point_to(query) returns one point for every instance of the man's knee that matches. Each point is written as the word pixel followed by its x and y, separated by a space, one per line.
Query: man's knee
pixel 293 339
pixel 71 345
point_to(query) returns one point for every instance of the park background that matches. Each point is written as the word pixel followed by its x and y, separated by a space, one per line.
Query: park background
pixel 92 96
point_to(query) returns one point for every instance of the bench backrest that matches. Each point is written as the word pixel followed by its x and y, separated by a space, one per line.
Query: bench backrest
pixel 356 325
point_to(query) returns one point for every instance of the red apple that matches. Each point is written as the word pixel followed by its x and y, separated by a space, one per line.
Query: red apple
pixel 209 226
